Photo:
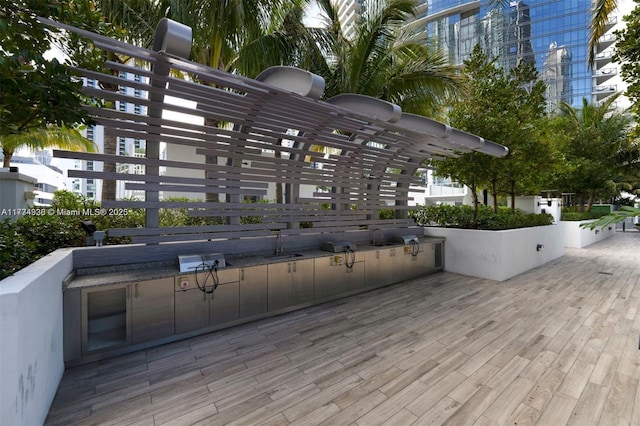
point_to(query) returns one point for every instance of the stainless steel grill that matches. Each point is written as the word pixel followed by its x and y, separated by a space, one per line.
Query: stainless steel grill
pixel 189 263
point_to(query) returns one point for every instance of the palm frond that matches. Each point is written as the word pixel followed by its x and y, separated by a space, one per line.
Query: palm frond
pixel 599 18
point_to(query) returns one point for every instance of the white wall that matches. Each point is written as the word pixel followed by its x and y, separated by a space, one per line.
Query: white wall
pixel 31 353
pixel 577 237
pixel 498 255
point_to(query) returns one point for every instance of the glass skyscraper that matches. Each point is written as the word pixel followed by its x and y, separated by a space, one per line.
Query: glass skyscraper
pixel 552 34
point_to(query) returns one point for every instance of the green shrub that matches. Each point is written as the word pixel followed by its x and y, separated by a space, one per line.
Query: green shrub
pixel 16 252
pixel 576 216
pixel 462 217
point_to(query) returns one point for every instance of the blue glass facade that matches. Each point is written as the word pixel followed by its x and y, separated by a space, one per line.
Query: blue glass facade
pixel 553 34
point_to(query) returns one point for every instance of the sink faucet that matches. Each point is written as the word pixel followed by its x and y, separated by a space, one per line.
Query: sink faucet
pixel 279 244
pixel 376 232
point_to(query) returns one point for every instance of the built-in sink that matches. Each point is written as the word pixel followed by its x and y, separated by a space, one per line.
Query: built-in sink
pixel 383 244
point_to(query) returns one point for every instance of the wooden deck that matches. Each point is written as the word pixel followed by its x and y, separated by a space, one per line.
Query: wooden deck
pixel 556 345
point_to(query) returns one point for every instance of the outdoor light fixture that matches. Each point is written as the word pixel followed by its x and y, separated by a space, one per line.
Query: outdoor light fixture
pixel 539 247
pixel 366 105
pixel 298 81
pixel 88 226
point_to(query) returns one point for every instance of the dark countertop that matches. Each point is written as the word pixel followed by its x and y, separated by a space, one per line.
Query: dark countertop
pixel 127 274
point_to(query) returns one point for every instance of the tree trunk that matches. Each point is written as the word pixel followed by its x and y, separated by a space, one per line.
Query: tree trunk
pixel 581 205
pixel 494 195
pixel 513 196
pixel 7 158
pixel 592 196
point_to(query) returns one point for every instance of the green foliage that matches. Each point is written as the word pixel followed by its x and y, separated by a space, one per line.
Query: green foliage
pixel 507 107
pixel 16 252
pixel 594 145
pixel 40 101
pixel 627 53
pixel 385 58
pixel 577 216
pixel 463 217
pixel 386 214
pixel 624 213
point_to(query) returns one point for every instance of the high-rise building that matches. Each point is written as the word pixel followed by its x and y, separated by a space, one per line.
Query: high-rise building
pixel 553 35
pixel 133 147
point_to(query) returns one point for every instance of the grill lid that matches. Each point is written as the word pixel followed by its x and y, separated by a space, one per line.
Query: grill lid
pixel 338 246
pixel 405 239
pixel 189 263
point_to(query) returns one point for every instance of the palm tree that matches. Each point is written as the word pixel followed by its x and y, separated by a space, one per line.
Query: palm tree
pixel 597 143
pixel 599 19
pixel 387 58
pixel 237 36
pixel 42 138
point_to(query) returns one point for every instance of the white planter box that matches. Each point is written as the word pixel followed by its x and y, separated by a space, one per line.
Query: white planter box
pixel 577 237
pixel 498 255
pixel 31 338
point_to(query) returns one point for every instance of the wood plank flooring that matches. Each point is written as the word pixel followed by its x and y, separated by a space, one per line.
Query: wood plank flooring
pixel 556 345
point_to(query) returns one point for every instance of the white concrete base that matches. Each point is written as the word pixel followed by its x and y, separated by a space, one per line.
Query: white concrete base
pixel 31 353
pixel 577 237
pixel 498 255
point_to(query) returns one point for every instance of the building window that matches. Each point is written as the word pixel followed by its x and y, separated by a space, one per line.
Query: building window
pixel 90 165
pixel 122 106
pixel 90 132
pixel 122 146
pixel 137 109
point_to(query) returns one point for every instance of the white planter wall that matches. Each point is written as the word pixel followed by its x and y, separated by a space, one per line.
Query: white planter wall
pixel 498 255
pixel 577 237
pixel 31 357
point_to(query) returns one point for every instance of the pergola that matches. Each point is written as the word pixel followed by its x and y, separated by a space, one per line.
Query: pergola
pixel 362 152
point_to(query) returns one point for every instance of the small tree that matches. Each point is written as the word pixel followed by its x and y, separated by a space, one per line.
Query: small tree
pixel 597 141
pixel 40 102
pixel 507 108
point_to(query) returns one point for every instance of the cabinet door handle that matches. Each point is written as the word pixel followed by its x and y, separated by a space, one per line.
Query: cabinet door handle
pixel 294 267
pixel 136 295
pixel 241 274
pixel 289 267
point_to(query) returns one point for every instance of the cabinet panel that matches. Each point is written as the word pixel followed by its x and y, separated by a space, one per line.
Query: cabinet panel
pixel 391 264
pixel 279 293
pixel 332 277
pixel 191 310
pixel 302 280
pixel 225 303
pixel 152 310
pixel 372 276
pixel 354 277
pixel 106 319
pixel 253 291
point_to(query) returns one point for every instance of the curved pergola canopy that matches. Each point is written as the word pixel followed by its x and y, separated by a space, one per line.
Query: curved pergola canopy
pixel 338 162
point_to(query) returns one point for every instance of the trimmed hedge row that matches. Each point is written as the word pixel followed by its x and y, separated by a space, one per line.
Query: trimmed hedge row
pixel 462 217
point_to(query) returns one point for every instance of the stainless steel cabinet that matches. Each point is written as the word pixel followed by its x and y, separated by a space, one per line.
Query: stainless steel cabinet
pixel 302 280
pixel 391 265
pixel 152 310
pixel 106 317
pixel 289 283
pixel 225 303
pixel 253 291
pixel 195 309
pixel 418 263
pixel 372 269
pixel 333 277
